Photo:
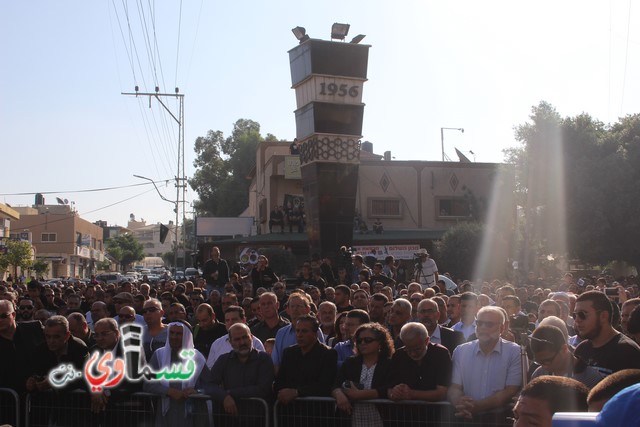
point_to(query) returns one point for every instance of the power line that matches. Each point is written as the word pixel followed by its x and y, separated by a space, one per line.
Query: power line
pixel 178 44
pixel 67 217
pixel 91 190
pixel 626 58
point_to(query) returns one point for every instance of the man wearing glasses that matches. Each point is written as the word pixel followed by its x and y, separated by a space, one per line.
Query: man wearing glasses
pixel 603 347
pixel 26 309
pixel 552 353
pixel 428 315
pixel 487 372
pixel 17 347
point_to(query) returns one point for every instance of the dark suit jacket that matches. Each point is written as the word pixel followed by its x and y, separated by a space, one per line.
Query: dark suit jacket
pixel 352 369
pixel 450 338
pixel 312 374
pixel 77 355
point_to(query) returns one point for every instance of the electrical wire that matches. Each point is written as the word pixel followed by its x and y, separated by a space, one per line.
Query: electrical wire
pixel 178 44
pixel 626 58
pixel 91 190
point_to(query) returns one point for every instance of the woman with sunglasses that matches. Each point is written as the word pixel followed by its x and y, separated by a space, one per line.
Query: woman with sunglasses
pixel 363 376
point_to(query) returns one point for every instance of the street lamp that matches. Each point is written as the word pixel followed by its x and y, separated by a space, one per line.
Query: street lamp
pixel 442 138
pixel 175 209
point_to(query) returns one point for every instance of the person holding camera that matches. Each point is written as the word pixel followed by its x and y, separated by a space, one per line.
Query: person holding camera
pixel 426 270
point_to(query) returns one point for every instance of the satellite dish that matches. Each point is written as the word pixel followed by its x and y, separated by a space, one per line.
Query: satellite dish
pixel 462 157
pixel 66 201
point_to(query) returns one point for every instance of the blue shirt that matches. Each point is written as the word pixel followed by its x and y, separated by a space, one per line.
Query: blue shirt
pixel 286 337
pixel 483 375
pixel 467 330
pixel 344 350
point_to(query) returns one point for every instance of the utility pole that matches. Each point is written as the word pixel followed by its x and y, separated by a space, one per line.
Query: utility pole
pixel 181 179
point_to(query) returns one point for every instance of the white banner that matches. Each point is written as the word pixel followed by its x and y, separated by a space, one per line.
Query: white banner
pixel 381 252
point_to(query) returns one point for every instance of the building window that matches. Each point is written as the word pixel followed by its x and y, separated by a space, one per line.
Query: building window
pixel 49 237
pixel 385 208
pixel 454 207
pixel 93 242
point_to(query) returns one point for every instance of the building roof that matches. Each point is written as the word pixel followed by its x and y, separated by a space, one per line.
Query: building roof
pixel 388 237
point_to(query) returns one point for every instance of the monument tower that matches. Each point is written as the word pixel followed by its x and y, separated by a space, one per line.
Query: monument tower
pixel 328 77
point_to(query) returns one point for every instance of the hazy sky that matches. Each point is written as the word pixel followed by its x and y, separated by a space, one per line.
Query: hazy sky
pixel 65 127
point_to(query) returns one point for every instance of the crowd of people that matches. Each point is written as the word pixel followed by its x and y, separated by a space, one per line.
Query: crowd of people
pixel 354 333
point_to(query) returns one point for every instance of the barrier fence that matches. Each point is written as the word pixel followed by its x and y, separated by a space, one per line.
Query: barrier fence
pixel 138 409
pixel 322 411
pixel 9 407
pixel 141 409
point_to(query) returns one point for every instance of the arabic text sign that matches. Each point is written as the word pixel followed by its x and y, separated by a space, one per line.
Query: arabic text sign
pixel 106 371
pixel 380 252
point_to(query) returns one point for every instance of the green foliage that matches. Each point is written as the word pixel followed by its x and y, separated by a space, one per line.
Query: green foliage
pixel 126 249
pixel 222 166
pixel 169 258
pixel 598 165
pixel 103 265
pixel 457 250
pixel 41 267
pixel 280 260
pixel 19 254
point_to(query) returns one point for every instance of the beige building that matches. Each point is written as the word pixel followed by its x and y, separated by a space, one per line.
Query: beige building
pixel 403 195
pixel 71 245
pixel 149 237
pixel 7 216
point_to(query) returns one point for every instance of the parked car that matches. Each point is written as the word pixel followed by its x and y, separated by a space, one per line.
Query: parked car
pixel 110 277
pixel 192 273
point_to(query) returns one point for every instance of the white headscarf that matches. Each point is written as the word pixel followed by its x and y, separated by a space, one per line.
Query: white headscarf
pixel 164 359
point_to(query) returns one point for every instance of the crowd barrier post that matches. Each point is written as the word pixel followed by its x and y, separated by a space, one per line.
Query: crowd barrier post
pixel 9 407
pixel 252 411
pixel 74 409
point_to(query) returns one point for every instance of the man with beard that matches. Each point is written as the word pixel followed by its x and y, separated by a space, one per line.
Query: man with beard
pixel 428 315
pixel 173 408
pixel 487 372
pixel 243 372
pixel 26 309
pixel 376 308
pixel 327 317
pixel 603 347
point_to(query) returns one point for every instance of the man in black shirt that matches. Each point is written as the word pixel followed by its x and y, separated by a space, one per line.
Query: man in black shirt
pixel 603 347
pixel 17 347
pixel 243 372
pixel 307 368
pixel 420 370
pixel 207 330
pixel 271 320
pixel 215 271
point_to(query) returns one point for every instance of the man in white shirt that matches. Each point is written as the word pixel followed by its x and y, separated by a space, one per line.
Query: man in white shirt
pixel 232 315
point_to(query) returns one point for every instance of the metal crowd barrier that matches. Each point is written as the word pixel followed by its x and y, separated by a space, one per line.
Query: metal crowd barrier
pixel 323 411
pixel 9 407
pixel 252 411
pixel 73 408
pixel 137 409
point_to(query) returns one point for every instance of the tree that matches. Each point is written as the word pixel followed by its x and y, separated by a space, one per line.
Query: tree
pixel 18 254
pixel 578 178
pixel 126 249
pixel 41 267
pixel 458 249
pixel 539 176
pixel 222 166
